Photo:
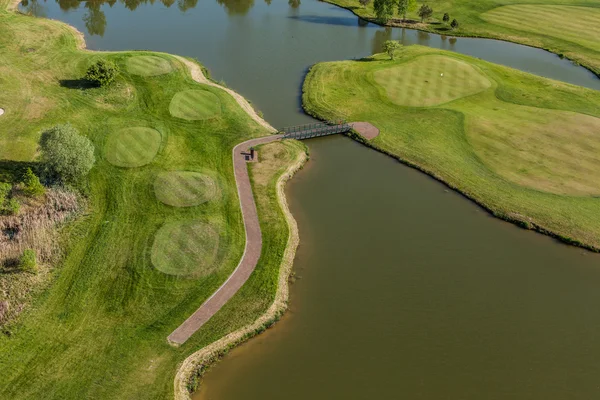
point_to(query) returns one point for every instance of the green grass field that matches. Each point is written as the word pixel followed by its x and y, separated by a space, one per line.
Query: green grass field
pixel 132 147
pixel 99 331
pixel 194 105
pixel 185 188
pixel 567 27
pixel 186 248
pixel 430 81
pixel 527 148
pixel 148 66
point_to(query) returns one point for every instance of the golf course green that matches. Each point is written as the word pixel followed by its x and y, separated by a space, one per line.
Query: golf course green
pixel 524 147
pixel 156 238
pixel 569 28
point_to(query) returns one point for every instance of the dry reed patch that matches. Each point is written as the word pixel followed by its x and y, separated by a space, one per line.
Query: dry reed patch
pixel 579 25
pixel 548 150
pixel 431 80
pixel 132 147
pixel 148 66
pixel 194 105
pixel 185 248
pixel 36 227
pixel 184 188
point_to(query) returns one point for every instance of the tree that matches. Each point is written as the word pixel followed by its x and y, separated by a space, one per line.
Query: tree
pixel 390 47
pixel 425 12
pixel 364 3
pixel 446 17
pixel 28 261
pixel 8 205
pixel 31 184
pixel 454 24
pixel 405 6
pixel 67 155
pixel 102 73
pixel 384 9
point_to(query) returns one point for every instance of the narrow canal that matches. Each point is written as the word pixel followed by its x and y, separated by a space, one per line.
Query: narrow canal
pixel 405 289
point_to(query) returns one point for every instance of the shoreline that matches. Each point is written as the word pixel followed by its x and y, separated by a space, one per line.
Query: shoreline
pixel 418 27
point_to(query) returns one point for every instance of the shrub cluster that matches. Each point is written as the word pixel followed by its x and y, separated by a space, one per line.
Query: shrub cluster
pixel 101 73
pixel 28 261
pixel 8 204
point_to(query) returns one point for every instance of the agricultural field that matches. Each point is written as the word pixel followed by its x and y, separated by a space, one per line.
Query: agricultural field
pixel 526 148
pixel 568 28
pixel 161 229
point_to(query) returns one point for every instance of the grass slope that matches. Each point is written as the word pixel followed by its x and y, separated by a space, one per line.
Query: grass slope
pixel 100 330
pixel 525 148
pixel 567 27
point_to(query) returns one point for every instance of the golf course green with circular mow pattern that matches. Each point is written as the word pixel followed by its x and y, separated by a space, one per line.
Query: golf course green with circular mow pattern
pixel 184 188
pixel 194 105
pixel 185 248
pixel 148 66
pixel 525 147
pixel 431 81
pixel 132 147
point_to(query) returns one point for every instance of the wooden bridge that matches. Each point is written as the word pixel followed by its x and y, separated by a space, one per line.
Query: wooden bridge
pixel 308 131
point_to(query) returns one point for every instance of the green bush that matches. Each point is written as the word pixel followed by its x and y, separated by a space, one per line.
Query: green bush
pixel 28 261
pixel 454 24
pixel 446 17
pixel 102 73
pixel 67 155
pixel 12 207
pixel 8 205
pixel 32 185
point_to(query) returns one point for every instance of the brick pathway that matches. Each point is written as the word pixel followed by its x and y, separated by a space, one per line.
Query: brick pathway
pixel 251 252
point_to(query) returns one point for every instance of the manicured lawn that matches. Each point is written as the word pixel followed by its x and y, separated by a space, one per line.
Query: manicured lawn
pixel 194 105
pixel 430 81
pixel 132 147
pixel 99 331
pixel 148 65
pixel 184 188
pixel 526 147
pixel 568 27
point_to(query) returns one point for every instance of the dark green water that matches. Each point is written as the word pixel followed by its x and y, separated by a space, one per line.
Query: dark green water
pixel 406 289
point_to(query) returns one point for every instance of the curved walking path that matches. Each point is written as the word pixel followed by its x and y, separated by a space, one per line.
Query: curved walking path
pixel 251 252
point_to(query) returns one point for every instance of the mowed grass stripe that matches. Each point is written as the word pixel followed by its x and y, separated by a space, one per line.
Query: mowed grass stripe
pixel 579 25
pixel 184 188
pixel 419 83
pixel 148 66
pixel 132 147
pixel 195 105
pixel 185 248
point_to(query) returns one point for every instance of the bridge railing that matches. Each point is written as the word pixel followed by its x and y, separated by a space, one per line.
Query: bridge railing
pixel 313 130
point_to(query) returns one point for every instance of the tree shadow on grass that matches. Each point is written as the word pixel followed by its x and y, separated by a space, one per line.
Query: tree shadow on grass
pixel 80 84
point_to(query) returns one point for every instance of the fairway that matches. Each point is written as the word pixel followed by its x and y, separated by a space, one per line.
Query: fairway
pixel 184 188
pixel 194 105
pixel 430 81
pixel 549 150
pixel 132 147
pixel 148 66
pixel 580 25
pixel 185 248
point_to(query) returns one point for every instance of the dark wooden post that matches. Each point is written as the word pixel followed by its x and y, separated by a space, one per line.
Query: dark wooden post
pixel 252 153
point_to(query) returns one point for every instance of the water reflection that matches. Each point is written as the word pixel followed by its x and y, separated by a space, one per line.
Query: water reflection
pixel 236 7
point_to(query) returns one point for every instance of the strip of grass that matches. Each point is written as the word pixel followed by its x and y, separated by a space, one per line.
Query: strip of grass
pixel 526 148
pixel 100 330
pixel 554 25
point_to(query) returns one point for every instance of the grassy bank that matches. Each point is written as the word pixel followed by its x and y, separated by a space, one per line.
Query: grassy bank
pixel 99 330
pixel 568 28
pixel 524 147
